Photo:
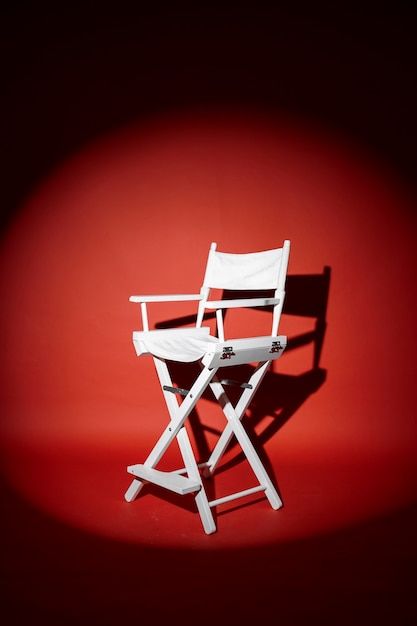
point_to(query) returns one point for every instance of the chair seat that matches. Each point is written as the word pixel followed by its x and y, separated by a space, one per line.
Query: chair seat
pixel 192 344
pixel 178 344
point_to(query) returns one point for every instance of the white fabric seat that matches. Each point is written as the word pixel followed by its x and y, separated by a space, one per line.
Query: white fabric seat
pixel 178 344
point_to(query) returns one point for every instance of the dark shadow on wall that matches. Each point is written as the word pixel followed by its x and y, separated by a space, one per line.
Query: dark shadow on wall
pixel 308 296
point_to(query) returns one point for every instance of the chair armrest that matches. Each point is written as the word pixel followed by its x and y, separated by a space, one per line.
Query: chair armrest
pixel 166 298
pixel 249 302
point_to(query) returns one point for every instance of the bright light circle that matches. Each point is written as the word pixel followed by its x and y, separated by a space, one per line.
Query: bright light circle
pixel 135 212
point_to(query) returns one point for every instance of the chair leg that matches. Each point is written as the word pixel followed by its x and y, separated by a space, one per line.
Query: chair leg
pixel 185 446
pixel 175 428
pixel 157 452
pixel 133 490
pixel 244 401
pixel 201 499
pixel 245 443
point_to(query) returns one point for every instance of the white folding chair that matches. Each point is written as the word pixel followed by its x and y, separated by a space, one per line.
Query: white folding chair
pixel 254 271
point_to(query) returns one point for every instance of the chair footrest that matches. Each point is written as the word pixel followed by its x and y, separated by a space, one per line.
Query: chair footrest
pixel 238 494
pixel 169 480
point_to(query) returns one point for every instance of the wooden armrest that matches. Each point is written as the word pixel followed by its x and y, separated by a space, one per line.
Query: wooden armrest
pixel 166 298
pixel 249 302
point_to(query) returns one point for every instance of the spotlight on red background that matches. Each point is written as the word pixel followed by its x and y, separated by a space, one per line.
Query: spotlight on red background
pixel 135 212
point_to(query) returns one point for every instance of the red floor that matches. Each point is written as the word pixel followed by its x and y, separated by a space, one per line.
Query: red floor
pixel 57 573
pixel 323 492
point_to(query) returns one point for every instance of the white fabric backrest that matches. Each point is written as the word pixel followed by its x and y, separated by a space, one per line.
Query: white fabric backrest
pixel 256 270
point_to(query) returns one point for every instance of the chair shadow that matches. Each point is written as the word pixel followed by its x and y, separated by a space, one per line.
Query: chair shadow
pixel 280 395
pixel 279 398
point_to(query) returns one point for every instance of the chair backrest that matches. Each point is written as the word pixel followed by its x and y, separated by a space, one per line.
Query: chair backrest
pixel 252 271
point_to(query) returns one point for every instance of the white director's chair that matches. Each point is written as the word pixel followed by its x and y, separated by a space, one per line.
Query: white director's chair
pixel 255 271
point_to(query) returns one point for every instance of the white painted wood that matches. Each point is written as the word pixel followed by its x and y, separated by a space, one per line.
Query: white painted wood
pixel 220 327
pixel 201 499
pixel 133 490
pixel 204 291
pixel 245 350
pixel 181 415
pixel 284 264
pixel 185 448
pixel 171 431
pixel 168 480
pixel 183 470
pixel 246 445
pixel 242 303
pixel 201 305
pixel 241 406
pixel 276 315
pixel 145 323
pixel 280 291
pixel 177 297
pixel 235 496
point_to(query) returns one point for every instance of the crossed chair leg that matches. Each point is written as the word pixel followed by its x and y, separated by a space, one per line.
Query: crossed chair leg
pixel 192 482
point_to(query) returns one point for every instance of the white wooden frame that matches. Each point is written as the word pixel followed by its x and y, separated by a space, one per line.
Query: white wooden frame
pixel 261 349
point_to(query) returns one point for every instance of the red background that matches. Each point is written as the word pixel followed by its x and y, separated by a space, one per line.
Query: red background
pixel 134 211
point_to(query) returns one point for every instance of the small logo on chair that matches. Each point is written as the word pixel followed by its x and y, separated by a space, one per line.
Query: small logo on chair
pixel 227 353
pixel 276 346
